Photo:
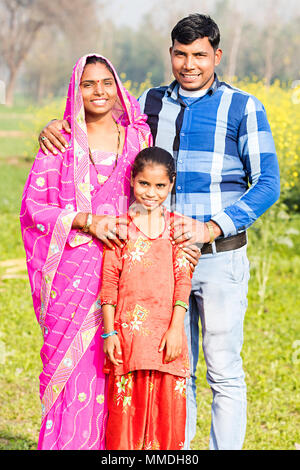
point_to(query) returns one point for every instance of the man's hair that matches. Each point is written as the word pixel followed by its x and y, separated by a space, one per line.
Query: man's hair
pixel 196 26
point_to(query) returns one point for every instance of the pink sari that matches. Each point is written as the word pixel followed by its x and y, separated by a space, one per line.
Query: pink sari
pixel 64 268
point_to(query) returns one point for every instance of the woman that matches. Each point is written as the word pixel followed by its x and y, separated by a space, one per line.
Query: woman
pixel 68 211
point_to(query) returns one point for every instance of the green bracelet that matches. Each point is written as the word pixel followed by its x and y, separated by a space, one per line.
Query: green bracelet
pixel 182 304
pixel 106 335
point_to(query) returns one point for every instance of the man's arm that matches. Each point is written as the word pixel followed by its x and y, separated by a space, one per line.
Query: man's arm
pixel 51 139
pixel 257 151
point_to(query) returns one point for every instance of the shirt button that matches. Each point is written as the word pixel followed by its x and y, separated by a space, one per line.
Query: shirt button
pixel 178 187
pixel 179 161
pixel 183 134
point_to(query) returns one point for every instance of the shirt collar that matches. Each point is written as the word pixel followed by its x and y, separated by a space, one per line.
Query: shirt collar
pixel 173 88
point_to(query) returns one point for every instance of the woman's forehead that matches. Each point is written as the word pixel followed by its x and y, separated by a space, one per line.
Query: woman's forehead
pixel 96 72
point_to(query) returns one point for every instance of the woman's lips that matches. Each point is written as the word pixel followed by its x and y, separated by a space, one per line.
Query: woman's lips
pixel 99 102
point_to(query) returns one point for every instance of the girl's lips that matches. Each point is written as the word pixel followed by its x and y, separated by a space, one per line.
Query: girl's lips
pixel 149 202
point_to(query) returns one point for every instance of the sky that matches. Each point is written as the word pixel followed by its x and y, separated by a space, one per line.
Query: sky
pixel 130 12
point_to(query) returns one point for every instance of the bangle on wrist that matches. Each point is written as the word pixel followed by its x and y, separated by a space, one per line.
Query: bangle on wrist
pixel 106 335
pixel 86 227
pixel 182 304
pixel 210 227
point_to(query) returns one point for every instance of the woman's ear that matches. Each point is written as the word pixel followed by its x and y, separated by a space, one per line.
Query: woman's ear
pixel 131 181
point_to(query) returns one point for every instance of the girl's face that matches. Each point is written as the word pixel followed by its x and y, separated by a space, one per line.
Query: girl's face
pixel 151 186
pixel 98 89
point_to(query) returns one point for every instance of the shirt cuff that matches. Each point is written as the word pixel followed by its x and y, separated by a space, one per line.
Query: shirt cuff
pixel 225 223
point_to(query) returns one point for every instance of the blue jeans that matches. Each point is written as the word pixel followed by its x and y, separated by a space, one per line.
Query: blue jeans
pixel 219 300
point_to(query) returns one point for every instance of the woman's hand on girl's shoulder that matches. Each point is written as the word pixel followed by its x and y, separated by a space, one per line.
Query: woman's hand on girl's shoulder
pixel 112 231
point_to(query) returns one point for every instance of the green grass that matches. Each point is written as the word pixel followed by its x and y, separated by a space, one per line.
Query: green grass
pixel 271 353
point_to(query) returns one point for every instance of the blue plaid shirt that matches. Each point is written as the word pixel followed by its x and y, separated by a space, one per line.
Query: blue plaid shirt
pixel 226 163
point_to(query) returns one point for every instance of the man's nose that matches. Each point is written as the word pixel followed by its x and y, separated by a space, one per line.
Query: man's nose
pixel 189 63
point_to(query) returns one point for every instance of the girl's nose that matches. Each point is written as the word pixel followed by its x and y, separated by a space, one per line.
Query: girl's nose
pixel 150 191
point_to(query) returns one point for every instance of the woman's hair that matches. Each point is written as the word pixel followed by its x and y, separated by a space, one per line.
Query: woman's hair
pixel 154 156
pixel 196 26
pixel 93 59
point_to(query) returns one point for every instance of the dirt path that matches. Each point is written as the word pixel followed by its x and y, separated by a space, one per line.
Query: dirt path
pixel 13 269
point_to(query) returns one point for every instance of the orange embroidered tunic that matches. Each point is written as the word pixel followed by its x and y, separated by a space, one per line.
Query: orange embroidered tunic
pixel 144 280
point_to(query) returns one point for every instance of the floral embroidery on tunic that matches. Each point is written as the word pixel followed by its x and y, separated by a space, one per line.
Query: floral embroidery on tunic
pixel 136 251
pixel 135 319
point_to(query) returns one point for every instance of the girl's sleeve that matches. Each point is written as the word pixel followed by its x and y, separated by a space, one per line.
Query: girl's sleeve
pixel 182 277
pixel 112 266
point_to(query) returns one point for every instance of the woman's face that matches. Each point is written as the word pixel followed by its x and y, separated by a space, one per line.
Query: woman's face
pixel 98 89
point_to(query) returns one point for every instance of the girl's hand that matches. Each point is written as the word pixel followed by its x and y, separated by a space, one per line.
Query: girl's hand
pixel 172 341
pixel 112 347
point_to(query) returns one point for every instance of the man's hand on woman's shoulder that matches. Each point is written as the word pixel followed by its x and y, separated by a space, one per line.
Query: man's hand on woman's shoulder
pixel 51 139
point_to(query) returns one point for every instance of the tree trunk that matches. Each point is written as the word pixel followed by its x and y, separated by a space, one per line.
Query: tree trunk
pixel 10 88
pixel 231 70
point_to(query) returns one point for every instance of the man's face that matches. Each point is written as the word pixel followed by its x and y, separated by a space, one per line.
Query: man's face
pixel 194 64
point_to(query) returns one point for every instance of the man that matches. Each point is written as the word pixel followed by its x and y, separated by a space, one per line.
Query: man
pixel 227 176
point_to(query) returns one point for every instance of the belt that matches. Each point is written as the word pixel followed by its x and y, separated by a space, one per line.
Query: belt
pixel 224 244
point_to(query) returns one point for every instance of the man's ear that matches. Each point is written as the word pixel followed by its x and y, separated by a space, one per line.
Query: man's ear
pixel 218 56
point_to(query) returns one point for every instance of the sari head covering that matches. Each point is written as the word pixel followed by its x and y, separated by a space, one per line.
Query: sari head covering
pixel 64 267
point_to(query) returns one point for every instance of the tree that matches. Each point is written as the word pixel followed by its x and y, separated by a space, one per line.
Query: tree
pixel 18 28
pixel 22 20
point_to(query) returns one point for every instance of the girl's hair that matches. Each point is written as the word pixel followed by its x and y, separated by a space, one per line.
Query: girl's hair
pixel 93 59
pixel 154 156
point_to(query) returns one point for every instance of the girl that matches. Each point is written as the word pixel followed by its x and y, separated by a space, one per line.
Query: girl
pixel 144 296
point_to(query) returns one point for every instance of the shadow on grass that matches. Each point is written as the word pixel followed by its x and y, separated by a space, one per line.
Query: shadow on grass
pixel 16 442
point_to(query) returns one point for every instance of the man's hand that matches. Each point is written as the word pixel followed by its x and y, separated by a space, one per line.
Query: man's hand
pixel 51 139
pixel 188 231
pixel 192 254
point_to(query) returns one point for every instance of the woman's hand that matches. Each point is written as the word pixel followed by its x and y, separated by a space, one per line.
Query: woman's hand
pixel 51 139
pixel 112 348
pixel 110 230
pixel 172 341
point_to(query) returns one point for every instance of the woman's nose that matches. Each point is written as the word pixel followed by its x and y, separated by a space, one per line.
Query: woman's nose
pixel 98 88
